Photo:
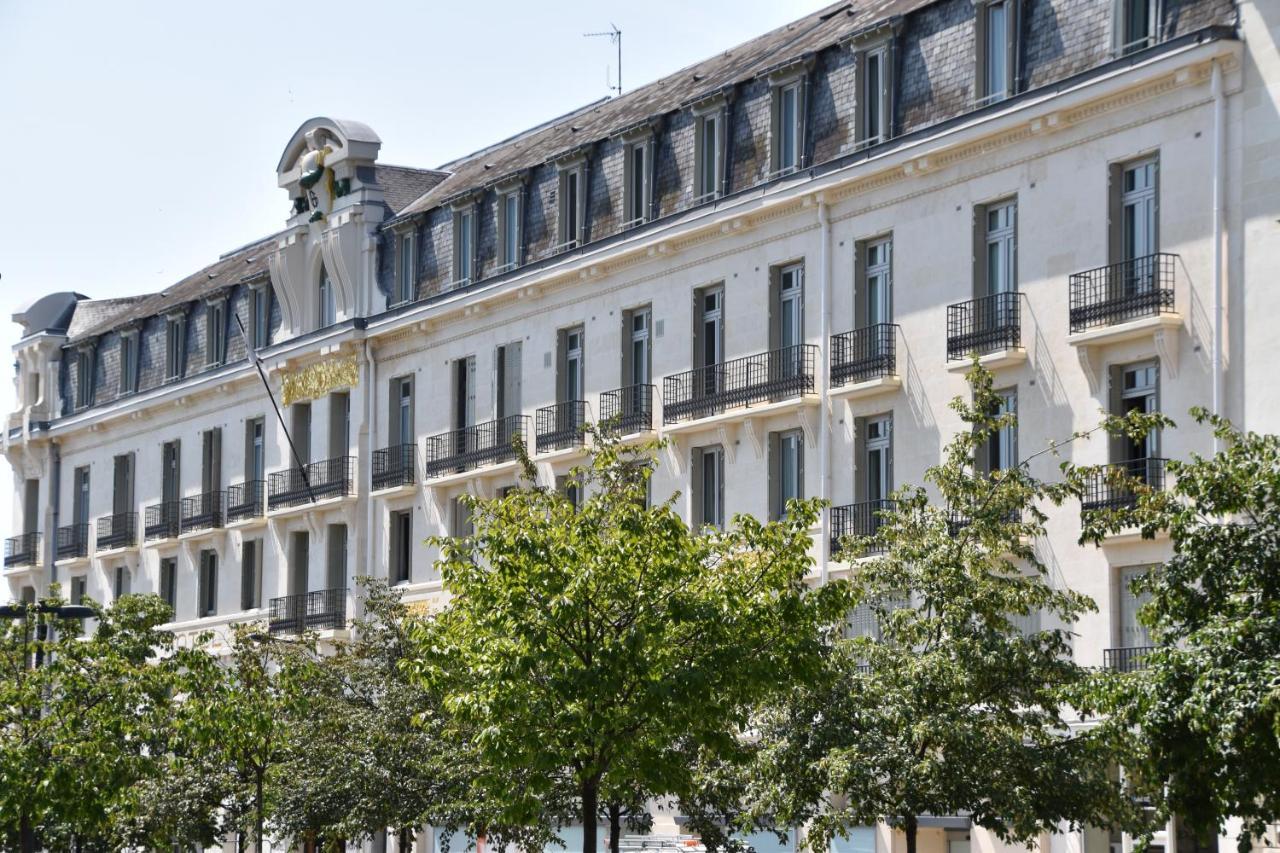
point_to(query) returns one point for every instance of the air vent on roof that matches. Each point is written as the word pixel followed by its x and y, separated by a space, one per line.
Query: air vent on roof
pixel 698 78
pixel 574 128
pixel 212 276
pixel 831 13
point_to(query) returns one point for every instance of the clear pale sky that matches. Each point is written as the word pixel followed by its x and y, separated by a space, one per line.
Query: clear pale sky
pixel 139 140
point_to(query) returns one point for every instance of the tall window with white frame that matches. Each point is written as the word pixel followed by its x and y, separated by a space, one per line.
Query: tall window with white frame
pixel 709 339
pixel 877 284
pixel 637 191
pixel 215 332
pixel 175 351
pixel 874 482
pixel 572 198
pixel 874 114
pixel 708 491
pixel 261 317
pixel 1136 24
pixel 406 270
pixel 1000 451
pixel 572 368
pixel 84 376
pixel 639 347
pixel 128 362
pixel 786 470
pixel 996 30
pixel 207 603
pixel 1001 248
pixel 1131 635
pixel 327 309
pixel 708 167
pixel 786 336
pixel 788 127
pixel 464 246
pixel 1137 235
pixel 1135 387
pixel 509 230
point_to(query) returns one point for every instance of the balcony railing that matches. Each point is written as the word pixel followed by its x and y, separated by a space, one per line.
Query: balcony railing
pixel 1118 293
pixel 864 354
pixel 860 519
pixel 72 541
pixel 246 500
pixel 1128 659
pixel 119 530
pixel 329 478
pixel 21 550
pixel 395 466
pixel 624 411
pixel 560 427
pixel 763 378
pixel 984 325
pixel 1118 485
pixel 308 611
pixel 160 521
pixel 203 512
pixel 475 446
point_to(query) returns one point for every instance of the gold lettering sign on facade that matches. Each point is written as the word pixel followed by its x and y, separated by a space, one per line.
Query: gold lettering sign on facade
pixel 316 380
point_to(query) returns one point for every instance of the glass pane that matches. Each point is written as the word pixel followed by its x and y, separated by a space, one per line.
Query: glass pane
pixel 995 49
pixel 872 95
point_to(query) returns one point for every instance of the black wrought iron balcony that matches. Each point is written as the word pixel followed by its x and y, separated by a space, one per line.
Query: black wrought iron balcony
pixel 308 611
pixel 861 519
pixel 21 550
pixel 625 411
pixel 395 466
pixel 984 325
pixel 764 378
pixel 472 447
pixel 205 511
pixel 1127 659
pixel 561 426
pixel 864 354
pixel 72 541
pixel 119 530
pixel 1117 486
pixel 160 521
pixel 1121 292
pixel 329 478
pixel 246 501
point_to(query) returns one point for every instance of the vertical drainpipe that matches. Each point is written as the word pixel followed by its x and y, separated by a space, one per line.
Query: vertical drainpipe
pixel 370 432
pixel 824 418
pixel 55 499
pixel 1219 180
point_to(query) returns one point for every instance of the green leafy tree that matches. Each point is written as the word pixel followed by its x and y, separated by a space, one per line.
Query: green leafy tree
pixel 1204 713
pixel 82 719
pixel 582 642
pixel 956 701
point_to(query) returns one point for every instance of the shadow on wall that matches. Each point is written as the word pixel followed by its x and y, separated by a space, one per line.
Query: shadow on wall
pixel 1056 406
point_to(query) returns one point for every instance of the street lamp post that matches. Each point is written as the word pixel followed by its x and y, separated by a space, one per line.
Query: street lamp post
pixel 41 610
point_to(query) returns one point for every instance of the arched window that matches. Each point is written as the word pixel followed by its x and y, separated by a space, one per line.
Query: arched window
pixel 328 311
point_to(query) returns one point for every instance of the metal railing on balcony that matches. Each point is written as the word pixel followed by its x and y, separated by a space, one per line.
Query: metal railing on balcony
pixel 118 530
pixel 624 411
pixel 1128 659
pixel 72 541
pixel 763 378
pixel 860 519
pixel 472 447
pixel 246 500
pixel 308 611
pixel 160 521
pixel 329 478
pixel 21 550
pixel 561 426
pixel 205 511
pixel 1118 485
pixel 864 354
pixel 984 325
pixel 1118 293
pixel 395 466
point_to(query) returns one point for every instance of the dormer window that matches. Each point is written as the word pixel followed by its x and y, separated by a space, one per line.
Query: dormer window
pixel 175 347
pixel 215 340
pixel 996 49
pixel 572 205
pixel 1136 24
pixel 638 181
pixel 787 123
pixel 261 299
pixel 84 376
pixel 708 144
pixel 128 362
pixel 509 207
pixel 464 245
pixel 328 309
pixel 406 270
pixel 873 53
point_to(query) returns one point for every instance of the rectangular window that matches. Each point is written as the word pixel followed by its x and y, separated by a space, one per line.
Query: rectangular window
pixel 401 537
pixel 464 392
pixel 637 358
pixel 1137 24
pixel 400 429
pixel 460 525
pixel 1000 452
pixel 787 128
pixel 572 372
pixel 261 317
pixel 1131 633
pixel 464 247
pixel 509 230
pixel 874 114
pixel 1136 387
pixel 123 582
pixel 175 352
pixel 327 300
pixel 874 458
pixel 122 483
pixel 216 333
pixel 79 589
pixel 406 271
pixel 251 574
pixel 571 203
pixel 637 186
pixel 169 581
pixel 786 471
pixel 207 601
pixel 80 497
pixel 336 557
pixel 128 363
pixel 1134 237
pixel 708 487
pixel 508 361
pixel 996 48
pixel 84 377
pixel 876 283
pixel 255 450
pixel 710 157
pixel 1001 251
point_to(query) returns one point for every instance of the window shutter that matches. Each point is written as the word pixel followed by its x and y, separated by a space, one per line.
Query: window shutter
pixel 860 107
pixel 1115 215
pixel 202 578
pixel 626 348
pixel 802 121
pixel 632 205
pixel 775 129
pixel 696 488
pixel 699 142
pixel 775 308
pixel 775 476
pixel 800 492
pixel 471 390
pixel 979 251
pixel 698 336
pixel 981 60
pixel 337 562
pixel 1155 241
pixel 888 485
pixel 515 376
pixel 1013 41
pixel 393 412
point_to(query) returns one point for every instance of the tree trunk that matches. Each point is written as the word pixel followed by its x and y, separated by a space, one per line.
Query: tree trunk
pixel 615 827
pixel 27 836
pixel 909 826
pixel 590 815
pixel 257 796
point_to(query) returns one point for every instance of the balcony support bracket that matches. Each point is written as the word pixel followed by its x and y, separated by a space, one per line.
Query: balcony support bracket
pixel 1092 370
pixel 1165 340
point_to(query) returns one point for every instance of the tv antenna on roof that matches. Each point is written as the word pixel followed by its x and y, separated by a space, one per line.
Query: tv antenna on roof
pixel 615 36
